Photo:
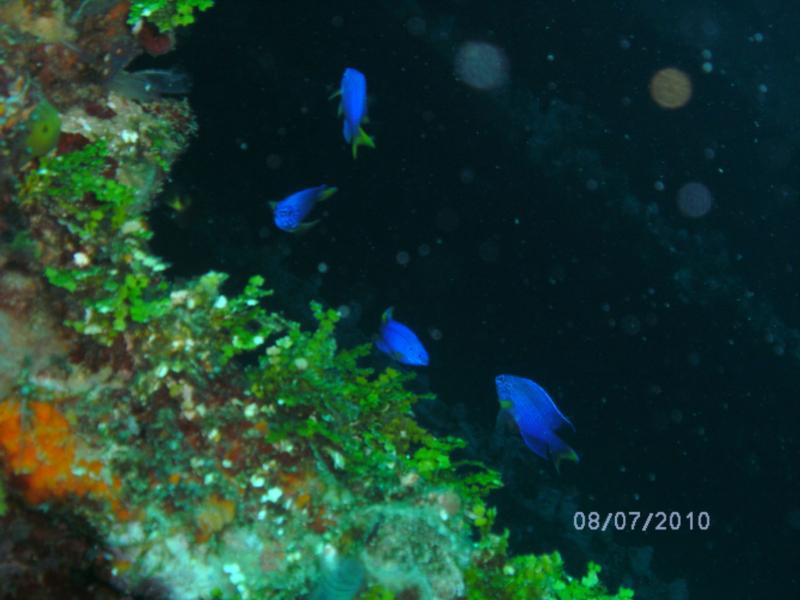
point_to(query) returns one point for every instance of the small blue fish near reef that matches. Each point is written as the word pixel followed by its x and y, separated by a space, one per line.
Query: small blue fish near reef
pixel 353 106
pixel 399 342
pixel 290 212
pixel 536 415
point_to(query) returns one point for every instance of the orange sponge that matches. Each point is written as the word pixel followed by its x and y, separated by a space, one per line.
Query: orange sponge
pixel 39 450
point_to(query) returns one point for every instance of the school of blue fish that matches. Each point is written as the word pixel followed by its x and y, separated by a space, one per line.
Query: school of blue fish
pixel 523 400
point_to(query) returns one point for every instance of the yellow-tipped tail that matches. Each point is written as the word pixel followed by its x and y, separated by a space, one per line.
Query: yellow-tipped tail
pixel 362 139
pixel 568 454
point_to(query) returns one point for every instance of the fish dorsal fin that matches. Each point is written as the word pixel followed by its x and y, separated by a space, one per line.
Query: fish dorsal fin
pixel 387 315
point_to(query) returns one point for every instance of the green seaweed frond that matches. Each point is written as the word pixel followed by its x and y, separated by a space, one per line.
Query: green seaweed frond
pixel 495 576
pixel 167 14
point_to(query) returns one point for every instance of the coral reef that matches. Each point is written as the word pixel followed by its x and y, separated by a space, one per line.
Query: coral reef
pixel 126 417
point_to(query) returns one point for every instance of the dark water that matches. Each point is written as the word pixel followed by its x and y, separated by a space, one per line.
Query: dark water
pixel 520 230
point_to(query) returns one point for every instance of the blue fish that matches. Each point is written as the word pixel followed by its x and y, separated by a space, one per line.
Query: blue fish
pixel 290 212
pixel 537 417
pixel 399 342
pixel 353 91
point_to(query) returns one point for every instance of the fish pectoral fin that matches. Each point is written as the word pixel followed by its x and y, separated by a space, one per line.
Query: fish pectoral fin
pixel 273 204
pixel 335 95
pixel 382 346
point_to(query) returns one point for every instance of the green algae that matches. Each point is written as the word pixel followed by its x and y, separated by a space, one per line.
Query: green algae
pixel 167 14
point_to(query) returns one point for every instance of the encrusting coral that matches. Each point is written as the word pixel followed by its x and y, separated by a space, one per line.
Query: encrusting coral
pixel 123 400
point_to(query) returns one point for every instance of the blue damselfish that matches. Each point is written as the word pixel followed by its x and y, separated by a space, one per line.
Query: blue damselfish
pixel 290 212
pixel 399 342
pixel 353 106
pixel 537 417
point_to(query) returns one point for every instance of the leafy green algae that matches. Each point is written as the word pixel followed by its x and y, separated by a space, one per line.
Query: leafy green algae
pixel 167 14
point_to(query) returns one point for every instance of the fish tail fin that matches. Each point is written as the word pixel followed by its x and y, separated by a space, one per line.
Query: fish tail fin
pixel 566 453
pixel 329 191
pixel 387 315
pixel 362 138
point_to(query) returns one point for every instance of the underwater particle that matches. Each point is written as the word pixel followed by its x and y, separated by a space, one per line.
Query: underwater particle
pixel 44 129
pixel 423 250
pixel 658 186
pixel 694 200
pixel 447 220
pixel 630 325
pixel 489 251
pixel 466 176
pixel 670 88
pixel 436 334
pixel 793 519
pixel 322 267
pixel 592 185
pixel 416 26
pixel 337 21
pixel 274 161
pixel 403 258
pixel 481 65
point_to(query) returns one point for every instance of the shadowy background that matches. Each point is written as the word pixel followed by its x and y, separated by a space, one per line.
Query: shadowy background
pixel 519 230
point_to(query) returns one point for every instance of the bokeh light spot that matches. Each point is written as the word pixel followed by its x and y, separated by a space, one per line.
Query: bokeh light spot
pixel 694 200
pixel 481 65
pixel 670 88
